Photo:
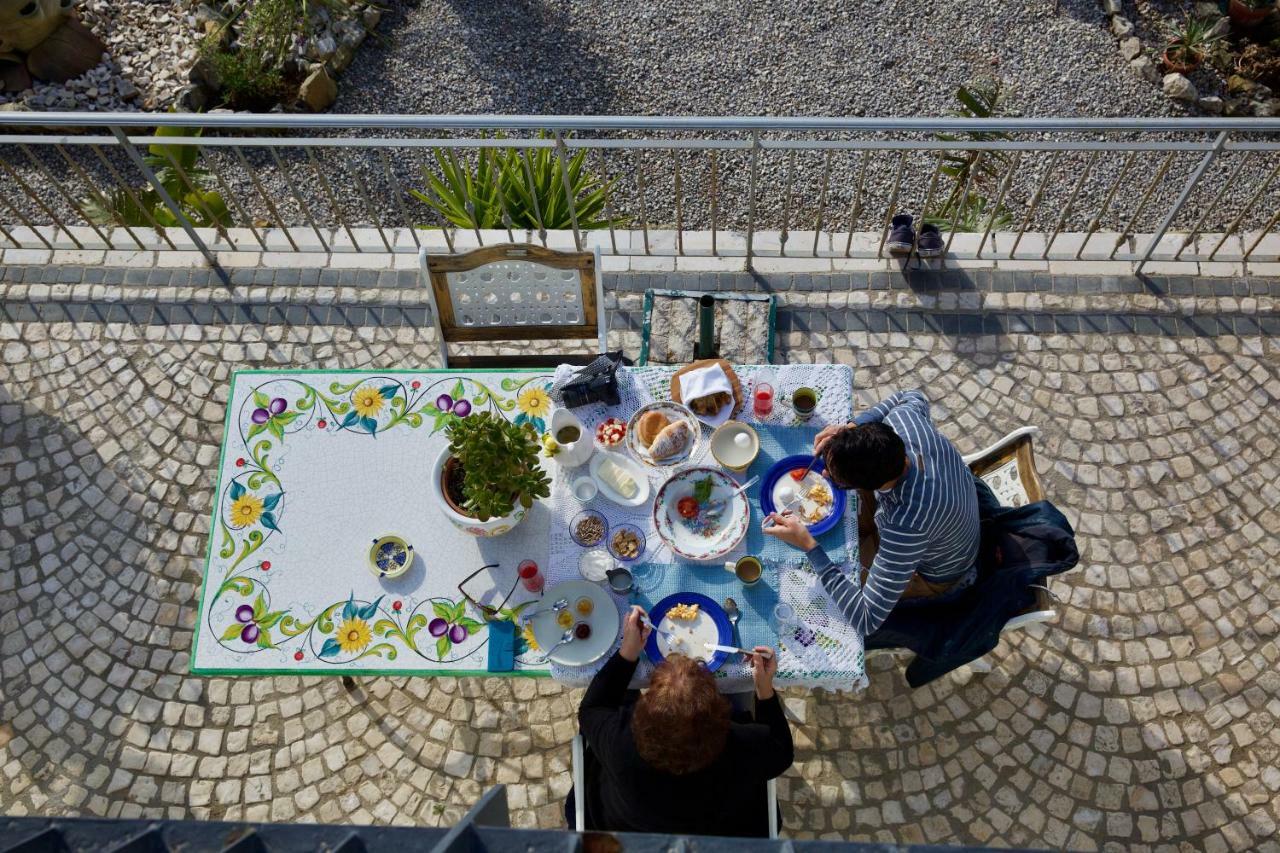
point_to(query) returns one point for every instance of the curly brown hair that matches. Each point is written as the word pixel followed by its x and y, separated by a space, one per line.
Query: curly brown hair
pixel 681 722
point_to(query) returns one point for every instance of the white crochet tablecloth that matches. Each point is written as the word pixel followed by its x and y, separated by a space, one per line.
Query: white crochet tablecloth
pixel 826 652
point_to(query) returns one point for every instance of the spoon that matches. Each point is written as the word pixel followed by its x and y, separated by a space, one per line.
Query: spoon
pixel 745 485
pixel 555 608
pixel 565 638
pixel 731 610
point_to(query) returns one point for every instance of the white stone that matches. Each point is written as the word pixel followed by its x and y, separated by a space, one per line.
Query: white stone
pixel 1178 87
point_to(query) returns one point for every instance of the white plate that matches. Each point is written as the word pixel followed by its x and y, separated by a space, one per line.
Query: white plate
pixel 811 479
pixel 680 536
pixel 696 634
pixel 604 621
pixel 637 473
pixel 673 411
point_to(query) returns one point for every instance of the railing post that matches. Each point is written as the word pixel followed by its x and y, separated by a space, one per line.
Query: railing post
pixel 1205 162
pixel 134 157
pixel 751 210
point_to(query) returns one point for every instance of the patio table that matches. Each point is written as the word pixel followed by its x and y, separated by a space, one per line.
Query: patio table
pixel 315 466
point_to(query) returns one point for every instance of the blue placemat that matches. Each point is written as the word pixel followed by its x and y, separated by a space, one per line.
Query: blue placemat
pixel 777 443
pixel 756 602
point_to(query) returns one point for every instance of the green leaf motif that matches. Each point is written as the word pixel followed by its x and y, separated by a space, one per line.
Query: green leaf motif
pixel 264 639
pixel 256 429
pixel 232 633
pixel 442 610
pixel 262 401
pixel 442 646
pixel 259 608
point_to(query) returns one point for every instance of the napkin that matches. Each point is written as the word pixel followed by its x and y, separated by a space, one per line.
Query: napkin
pixel 502 646
pixel 704 381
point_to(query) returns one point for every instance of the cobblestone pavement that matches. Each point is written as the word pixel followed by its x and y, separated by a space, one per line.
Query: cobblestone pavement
pixel 1144 718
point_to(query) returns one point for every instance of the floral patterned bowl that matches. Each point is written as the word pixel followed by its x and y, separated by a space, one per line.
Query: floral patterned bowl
pixel 721 520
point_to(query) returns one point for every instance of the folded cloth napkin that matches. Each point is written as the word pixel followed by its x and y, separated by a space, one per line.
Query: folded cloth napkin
pixel 502 646
pixel 705 381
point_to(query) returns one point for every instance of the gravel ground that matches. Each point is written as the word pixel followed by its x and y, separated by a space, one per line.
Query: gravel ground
pixel 150 46
pixel 709 58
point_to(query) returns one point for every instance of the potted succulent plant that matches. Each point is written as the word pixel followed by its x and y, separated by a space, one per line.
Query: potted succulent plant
pixel 1248 13
pixel 489 475
pixel 1189 44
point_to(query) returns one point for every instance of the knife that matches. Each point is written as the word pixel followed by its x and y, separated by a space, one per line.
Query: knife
pixel 712 647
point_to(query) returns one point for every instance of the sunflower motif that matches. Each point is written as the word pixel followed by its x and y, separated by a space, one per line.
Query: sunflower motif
pixel 368 402
pixel 529 639
pixel 245 510
pixel 353 635
pixel 534 402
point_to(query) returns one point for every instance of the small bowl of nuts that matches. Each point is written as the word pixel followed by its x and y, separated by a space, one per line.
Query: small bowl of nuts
pixel 627 542
pixel 588 528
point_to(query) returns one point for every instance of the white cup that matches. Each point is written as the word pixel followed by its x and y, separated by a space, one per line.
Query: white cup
pixel 584 489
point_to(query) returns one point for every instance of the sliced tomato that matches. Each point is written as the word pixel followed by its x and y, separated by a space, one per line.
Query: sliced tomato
pixel 687 507
pixel 797 474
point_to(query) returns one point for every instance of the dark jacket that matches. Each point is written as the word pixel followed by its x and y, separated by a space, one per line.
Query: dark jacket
pixel 1020 547
pixel 624 794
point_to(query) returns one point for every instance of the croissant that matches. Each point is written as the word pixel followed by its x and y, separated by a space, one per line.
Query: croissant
pixel 673 438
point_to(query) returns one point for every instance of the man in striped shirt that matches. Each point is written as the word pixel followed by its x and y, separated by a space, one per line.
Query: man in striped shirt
pixel 918 511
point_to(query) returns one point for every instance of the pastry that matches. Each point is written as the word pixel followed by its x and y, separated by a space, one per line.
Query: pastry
pixel 710 405
pixel 673 438
pixel 649 425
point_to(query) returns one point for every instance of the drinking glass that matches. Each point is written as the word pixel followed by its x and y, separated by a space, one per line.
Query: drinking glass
pixel 531 576
pixel 783 620
pixel 762 393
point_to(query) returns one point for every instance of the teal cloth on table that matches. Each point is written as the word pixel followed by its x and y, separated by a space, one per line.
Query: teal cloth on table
pixel 756 602
pixel 502 646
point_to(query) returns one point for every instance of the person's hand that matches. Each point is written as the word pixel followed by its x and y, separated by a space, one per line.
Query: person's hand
pixel 764 666
pixel 634 634
pixel 828 432
pixel 790 529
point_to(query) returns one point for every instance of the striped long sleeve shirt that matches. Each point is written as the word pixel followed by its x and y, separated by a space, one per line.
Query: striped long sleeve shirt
pixel 928 521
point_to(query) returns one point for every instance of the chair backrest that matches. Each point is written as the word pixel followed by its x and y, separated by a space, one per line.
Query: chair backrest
pixel 516 292
pixel 1009 468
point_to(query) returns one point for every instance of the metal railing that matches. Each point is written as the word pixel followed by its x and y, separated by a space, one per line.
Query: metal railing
pixel 1131 190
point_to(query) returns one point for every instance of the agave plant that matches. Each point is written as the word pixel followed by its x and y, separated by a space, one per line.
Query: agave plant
pixel 973 173
pixel 527 184
pixel 201 206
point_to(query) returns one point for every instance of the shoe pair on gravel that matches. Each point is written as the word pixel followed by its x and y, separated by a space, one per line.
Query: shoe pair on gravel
pixel 902 238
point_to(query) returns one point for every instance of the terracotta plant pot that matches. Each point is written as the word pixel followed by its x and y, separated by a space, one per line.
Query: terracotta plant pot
pixel 1180 61
pixel 468 524
pixel 1248 16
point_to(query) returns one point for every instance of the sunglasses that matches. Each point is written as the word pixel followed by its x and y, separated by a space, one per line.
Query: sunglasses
pixel 489 612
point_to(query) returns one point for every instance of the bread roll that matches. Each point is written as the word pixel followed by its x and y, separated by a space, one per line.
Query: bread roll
pixel 650 424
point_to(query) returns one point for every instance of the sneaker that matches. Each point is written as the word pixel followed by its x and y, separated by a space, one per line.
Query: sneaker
pixel 930 245
pixel 902 237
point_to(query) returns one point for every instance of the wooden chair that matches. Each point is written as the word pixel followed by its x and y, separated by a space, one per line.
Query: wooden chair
pixel 578 769
pixel 1008 467
pixel 515 293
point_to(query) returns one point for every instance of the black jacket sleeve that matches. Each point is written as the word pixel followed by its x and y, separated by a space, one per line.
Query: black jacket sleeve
pixel 601 718
pixel 772 750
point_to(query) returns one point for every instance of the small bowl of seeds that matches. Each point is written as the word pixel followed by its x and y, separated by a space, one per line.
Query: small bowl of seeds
pixel 627 542
pixel 588 528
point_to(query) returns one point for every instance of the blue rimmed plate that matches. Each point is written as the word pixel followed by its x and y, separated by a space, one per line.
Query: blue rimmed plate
pixel 773 481
pixel 711 626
